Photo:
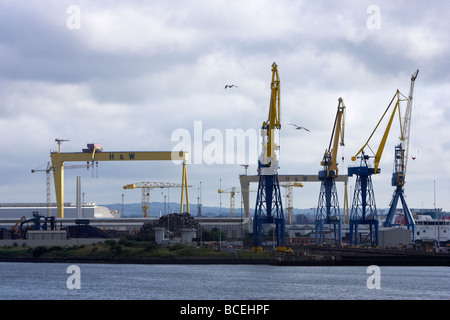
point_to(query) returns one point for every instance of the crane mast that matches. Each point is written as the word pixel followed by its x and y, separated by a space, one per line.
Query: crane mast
pixel 364 207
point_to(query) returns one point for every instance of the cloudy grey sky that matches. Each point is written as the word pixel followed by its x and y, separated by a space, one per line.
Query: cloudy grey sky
pixel 128 74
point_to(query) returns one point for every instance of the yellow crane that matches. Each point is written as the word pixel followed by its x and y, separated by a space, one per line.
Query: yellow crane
pixel 329 161
pixel 404 129
pixel 289 196
pixel 146 187
pixel 48 181
pixel 269 207
pixel 268 159
pixel 232 191
pixel 379 153
pixel 364 209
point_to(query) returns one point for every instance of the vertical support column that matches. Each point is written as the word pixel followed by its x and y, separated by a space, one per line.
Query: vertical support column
pixel 346 216
pixel 79 213
pixel 268 209
pixel 328 210
pixel 58 175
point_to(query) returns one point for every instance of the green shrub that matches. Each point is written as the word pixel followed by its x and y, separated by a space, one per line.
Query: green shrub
pixel 55 248
pixel 38 251
pixel 128 242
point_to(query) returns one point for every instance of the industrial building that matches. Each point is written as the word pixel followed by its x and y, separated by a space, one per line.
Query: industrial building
pixel 11 215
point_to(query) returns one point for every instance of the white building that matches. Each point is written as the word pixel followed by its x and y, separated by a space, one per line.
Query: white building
pixel 19 210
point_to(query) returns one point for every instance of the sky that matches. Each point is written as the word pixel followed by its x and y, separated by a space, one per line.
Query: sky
pixel 150 76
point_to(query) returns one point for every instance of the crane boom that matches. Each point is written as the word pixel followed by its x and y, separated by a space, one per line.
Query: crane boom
pixel 59 158
pixel 380 149
pixel 328 205
pixel 269 208
pixel 146 187
pixel 400 161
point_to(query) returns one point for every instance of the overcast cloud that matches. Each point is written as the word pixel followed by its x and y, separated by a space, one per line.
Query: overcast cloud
pixel 128 74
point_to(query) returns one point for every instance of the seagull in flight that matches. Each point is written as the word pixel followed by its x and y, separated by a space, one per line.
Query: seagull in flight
pixel 298 127
pixel 231 86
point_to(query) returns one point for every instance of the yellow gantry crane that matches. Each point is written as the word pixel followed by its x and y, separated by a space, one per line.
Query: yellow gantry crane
pixel 95 153
pixel 146 187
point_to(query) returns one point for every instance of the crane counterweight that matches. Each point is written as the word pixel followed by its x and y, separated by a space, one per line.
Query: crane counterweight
pixel 400 165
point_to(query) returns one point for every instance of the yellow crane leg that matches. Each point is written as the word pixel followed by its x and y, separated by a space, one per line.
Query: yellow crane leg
pixel 184 188
pixel 58 160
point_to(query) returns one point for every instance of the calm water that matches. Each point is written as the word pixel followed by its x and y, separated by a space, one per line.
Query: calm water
pixel 27 281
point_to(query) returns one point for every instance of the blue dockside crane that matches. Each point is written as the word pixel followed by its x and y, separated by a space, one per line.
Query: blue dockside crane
pixel 328 205
pixel 269 208
pixel 364 210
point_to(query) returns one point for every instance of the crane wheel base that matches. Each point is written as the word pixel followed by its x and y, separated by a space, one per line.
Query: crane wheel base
pixel 283 249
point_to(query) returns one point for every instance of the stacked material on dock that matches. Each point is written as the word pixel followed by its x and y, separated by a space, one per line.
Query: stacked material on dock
pixel 173 222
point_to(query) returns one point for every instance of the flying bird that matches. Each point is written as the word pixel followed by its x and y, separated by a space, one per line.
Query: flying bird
pixel 230 86
pixel 298 127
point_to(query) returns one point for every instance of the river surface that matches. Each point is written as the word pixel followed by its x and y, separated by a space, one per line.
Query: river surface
pixel 55 281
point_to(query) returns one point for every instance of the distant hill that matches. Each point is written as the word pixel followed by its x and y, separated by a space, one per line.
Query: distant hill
pixel 301 216
pixel 161 208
